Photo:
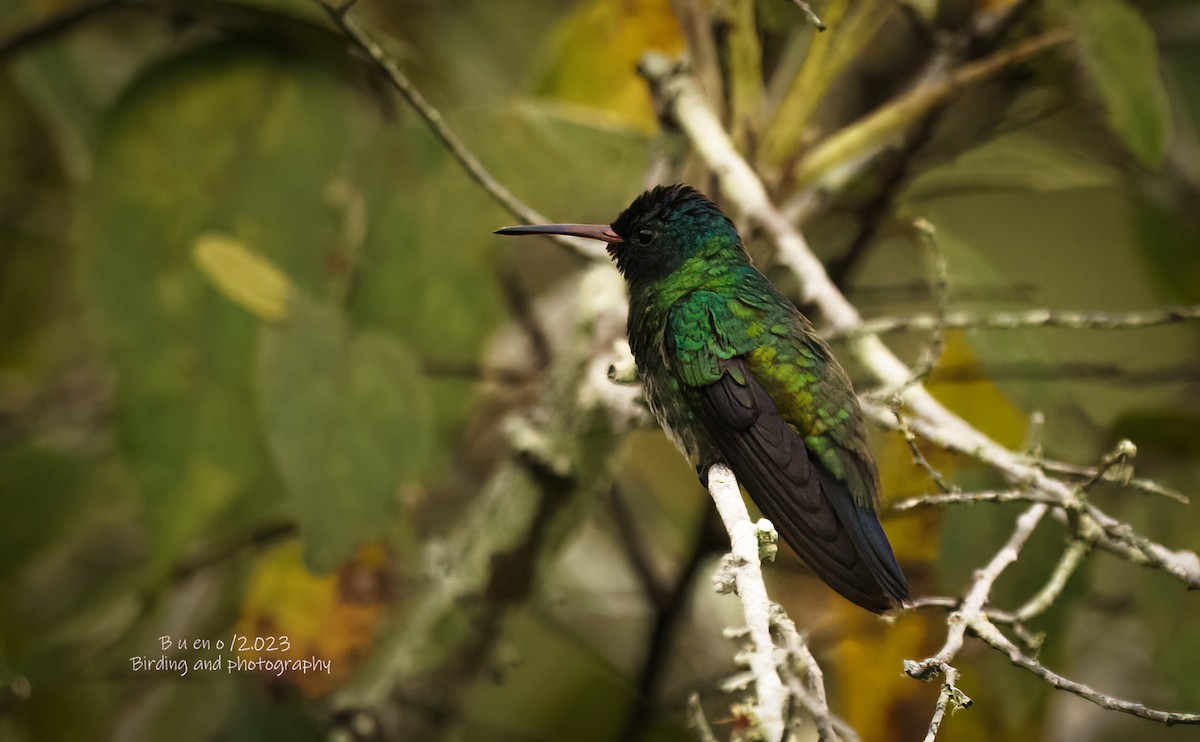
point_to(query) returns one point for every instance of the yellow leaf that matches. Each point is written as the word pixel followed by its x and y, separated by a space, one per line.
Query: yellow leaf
pixel 876 699
pixel 312 617
pixel 873 695
pixel 244 277
pixel 980 402
pixel 594 56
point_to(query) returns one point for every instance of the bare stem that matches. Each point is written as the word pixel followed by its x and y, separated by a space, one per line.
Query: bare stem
pixel 949 699
pixel 1071 558
pixel 971 609
pixel 959 498
pixel 1071 319
pixel 811 695
pixel 993 637
pixel 918 458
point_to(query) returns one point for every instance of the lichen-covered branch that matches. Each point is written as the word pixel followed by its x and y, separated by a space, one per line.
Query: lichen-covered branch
pixel 742 571
pixel 1116 536
pixel 783 671
pixel 687 109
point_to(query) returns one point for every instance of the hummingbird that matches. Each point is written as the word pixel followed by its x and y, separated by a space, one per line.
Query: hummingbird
pixel 735 374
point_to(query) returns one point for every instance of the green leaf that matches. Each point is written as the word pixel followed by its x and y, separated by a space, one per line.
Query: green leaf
pixel 348 421
pixel 1117 49
pixel 242 139
pixel 1015 162
pixel 39 490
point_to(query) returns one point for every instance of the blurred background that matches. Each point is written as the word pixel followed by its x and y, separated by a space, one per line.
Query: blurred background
pixel 265 372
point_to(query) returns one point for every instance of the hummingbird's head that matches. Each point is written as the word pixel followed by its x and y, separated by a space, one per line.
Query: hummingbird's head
pixel 659 231
pixel 664 227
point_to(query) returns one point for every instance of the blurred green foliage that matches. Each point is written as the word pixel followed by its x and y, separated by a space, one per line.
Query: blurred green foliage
pixel 175 462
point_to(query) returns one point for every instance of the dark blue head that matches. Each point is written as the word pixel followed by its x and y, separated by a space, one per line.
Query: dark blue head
pixel 660 230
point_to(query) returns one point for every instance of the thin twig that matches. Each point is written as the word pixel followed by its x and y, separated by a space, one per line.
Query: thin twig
pixel 1139 483
pixel 811 696
pixel 949 699
pixel 437 125
pixel 445 368
pixel 1070 560
pixel 1072 319
pixel 697 720
pixel 995 615
pixel 670 607
pixel 918 458
pixel 940 284
pixel 1118 461
pixel 966 616
pixel 866 136
pixel 519 305
pixel 1116 536
pixel 994 638
pixel 1068 371
pixel 960 498
pixel 971 609
pixel 634 547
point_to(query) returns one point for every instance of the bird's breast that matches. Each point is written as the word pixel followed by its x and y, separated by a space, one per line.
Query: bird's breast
pixel 664 392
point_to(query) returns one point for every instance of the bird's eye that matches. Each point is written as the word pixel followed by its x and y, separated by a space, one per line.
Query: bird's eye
pixel 644 237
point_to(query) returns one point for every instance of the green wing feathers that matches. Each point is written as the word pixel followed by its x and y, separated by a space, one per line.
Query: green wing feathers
pixel 779 410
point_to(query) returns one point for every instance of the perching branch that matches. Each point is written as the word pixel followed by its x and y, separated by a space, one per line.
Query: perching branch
pixel 783 671
pixel 741 572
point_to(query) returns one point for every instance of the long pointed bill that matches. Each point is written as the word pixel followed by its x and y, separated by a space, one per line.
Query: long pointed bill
pixel 600 232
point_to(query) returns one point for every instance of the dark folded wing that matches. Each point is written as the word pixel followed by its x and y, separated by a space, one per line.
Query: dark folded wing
pixel 840 541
